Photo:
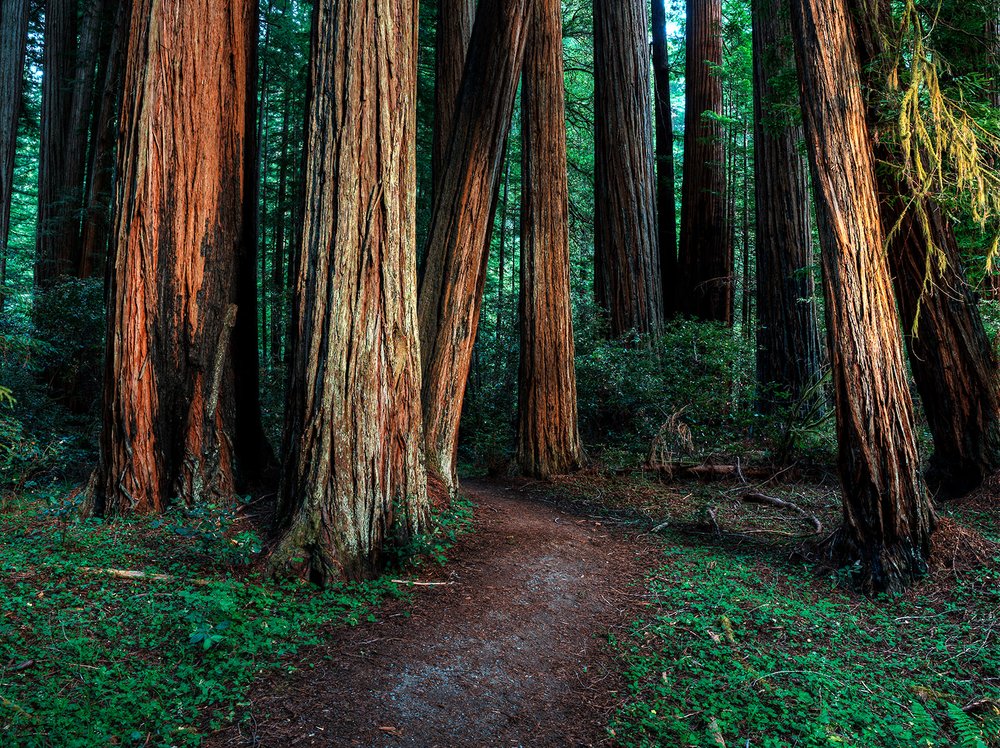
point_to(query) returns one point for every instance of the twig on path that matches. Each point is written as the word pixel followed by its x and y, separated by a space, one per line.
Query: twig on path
pixel 421 584
pixel 758 498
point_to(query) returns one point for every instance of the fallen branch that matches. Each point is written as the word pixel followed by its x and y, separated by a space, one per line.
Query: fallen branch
pixel 758 498
pixel 421 584
pixel 142 576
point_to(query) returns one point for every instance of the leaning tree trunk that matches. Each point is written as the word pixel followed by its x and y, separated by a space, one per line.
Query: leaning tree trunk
pixel 454 30
pixel 626 255
pixel 888 518
pixel 452 289
pixel 168 393
pixel 354 479
pixel 951 356
pixel 666 208
pixel 13 42
pixel 705 256
pixel 788 344
pixel 548 438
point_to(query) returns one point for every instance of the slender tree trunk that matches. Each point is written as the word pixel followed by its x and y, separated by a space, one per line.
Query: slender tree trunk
pixel 452 288
pixel 951 356
pixel 454 29
pixel 626 254
pixel 168 410
pixel 888 518
pixel 548 437
pixel 705 256
pixel 354 480
pixel 745 235
pixel 788 343
pixel 666 201
pixel 13 42
pixel 279 261
pixel 104 141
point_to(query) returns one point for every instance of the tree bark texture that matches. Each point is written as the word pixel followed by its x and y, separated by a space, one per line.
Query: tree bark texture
pixel 13 42
pixel 454 29
pixel 548 435
pixel 788 343
pixel 888 518
pixel 666 203
pixel 168 393
pixel 452 288
pixel 354 479
pixel 705 255
pixel 626 254
pixel 951 356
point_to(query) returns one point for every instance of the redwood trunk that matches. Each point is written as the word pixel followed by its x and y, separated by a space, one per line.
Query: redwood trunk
pixel 168 396
pixel 666 203
pixel 13 42
pixel 452 288
pixel 354 480
pixel 626 255
pixel 454 30
pixel 788 344
pixel 548 437
pixel 888 518
pixel 705 256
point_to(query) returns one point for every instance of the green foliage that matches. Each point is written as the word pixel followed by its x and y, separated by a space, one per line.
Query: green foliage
pixel 739 650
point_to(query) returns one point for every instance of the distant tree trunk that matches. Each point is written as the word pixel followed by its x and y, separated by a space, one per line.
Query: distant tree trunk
pixel 279 260
pixel 705 256
pixel 13 42
pixel 548 438
pixel 951 356
pixel 168 409
pixel 67 92
pixel 888 518
pixel 452 288
pixel 454 29
pixel 354 481
pixel 666 201
pixel 788 344
pixel 626 255
pixel 104 140
pixel 993 54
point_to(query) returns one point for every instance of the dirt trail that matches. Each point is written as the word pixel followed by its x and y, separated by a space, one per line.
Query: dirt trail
pixel 512 653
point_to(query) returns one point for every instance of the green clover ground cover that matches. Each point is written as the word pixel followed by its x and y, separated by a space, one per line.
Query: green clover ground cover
pixel 742 651
pixel 89 659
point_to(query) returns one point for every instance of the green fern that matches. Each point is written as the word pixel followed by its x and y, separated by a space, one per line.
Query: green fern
pixel 969 732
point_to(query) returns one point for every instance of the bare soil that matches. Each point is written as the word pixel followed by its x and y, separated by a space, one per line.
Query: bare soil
pixel 512 650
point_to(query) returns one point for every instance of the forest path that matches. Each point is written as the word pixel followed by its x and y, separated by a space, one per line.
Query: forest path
pixel 511 651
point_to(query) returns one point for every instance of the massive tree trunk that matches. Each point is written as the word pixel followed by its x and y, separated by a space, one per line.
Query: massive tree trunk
pixel 705 256
pixel 168 393
pixel 666 207
pixel 548 437
pixel 70 63
pixel 626 262
pixel 452 289
pixel 788 345
pixel 13 41
pixel 888 518
pixel 454 29
pixel 951 356
pixel 354 480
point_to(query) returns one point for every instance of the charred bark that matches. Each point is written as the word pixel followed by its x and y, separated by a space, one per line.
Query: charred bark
pixel 627 279
pixel 548 436
pixel 888 520
pixel 452 287
pixel 354 481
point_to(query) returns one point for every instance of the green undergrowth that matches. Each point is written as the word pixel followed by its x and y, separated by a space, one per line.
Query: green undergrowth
pixel 740 650
pixel 88 658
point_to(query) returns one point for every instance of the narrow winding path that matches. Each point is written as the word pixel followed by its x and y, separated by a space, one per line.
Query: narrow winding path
pixel 512 652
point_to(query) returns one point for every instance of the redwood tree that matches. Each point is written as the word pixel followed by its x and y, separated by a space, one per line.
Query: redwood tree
pixel 354 479
pixel 666 208
pixel 548 437
pixel 454 30
pixel 626 255
pixel 13 41
pixel 888 518
pixel 455 272
pixel 788 345
pixel 705 255
pixel 168 393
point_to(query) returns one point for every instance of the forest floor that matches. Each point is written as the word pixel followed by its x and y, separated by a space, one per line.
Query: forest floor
pixel 507 645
